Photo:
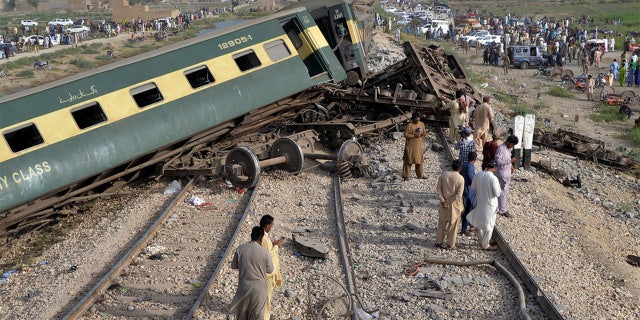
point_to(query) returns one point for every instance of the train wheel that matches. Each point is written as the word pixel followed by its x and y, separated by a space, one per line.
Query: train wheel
pixel 289 149
pixel 350 151
pixel 607 91
pixel 243 167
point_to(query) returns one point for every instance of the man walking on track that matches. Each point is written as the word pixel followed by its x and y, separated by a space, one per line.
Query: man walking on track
pixel 274 279
pixel 254 263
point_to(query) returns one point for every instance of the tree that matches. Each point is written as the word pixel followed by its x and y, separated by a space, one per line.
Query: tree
pixel 34 3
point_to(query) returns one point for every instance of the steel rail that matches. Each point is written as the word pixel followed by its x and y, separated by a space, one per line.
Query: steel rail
pixel 205 290
pixel 516 264
pixel 89 299
pixel 343 243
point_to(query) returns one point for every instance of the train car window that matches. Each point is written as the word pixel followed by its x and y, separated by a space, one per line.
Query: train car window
pixel 246 60
pixel 200 76
pixel 295 39
pixel 23 138
pixel 277 50
pixel 146 95
pixel 88 115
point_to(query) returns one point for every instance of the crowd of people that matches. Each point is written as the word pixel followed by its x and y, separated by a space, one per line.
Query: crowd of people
pixel 469 201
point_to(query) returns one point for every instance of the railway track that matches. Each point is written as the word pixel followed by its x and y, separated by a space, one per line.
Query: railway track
pixel 166 274
pixel 525 277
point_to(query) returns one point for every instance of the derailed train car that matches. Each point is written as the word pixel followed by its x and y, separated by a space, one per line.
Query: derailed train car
pixel 64 138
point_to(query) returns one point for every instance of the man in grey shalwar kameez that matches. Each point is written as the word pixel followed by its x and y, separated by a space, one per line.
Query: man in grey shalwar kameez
pixel 483 216
pixel 254 263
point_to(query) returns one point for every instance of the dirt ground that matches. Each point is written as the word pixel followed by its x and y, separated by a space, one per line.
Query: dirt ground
pixel 552 112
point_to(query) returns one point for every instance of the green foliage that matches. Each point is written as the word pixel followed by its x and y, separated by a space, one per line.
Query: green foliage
pixel 633 135
pixel 607 114
pixel 82 63
pixel 90 51
pixel 104 57
pixel 558 91
pixel 25 74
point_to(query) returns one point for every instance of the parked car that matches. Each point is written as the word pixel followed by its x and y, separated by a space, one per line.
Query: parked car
pixel 484 40
pixel 12 50
pixel 29 23
pixel 76 29
pixel 63 22
pixel 473 35
pixel 524 57
pixel 40 39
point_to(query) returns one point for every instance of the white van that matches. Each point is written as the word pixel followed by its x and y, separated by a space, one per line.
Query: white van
pixel 435 24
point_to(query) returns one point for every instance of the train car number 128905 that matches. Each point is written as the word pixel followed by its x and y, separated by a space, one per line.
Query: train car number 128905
pixel 234 42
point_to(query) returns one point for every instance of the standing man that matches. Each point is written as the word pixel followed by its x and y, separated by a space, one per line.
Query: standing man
pixel 505 170
pixel 254 263
pixel 466 145
pixel 274 278
pixel 413 134
pixel 615 67
pixel 457 117
pixel 483 120
pixel 489 150
pixel 590 85
pixel 506 62
pixel 450 188
pixel 468 173
pixel 483 216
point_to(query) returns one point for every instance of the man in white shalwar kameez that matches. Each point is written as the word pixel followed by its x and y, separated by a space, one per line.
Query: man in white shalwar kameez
pixel 254 263
pixel 483 216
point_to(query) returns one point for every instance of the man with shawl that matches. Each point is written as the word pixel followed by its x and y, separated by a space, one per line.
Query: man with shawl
pixel 274 279
pixel 483 216
pixel 458 117
pixel 413 134
pixel 253 263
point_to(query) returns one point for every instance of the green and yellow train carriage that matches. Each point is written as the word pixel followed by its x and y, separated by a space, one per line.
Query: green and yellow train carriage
pixel 340 27
pixel 68 132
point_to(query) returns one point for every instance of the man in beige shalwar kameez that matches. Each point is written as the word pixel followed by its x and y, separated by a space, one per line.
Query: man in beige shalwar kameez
pixel 450 188
pixel 413 147
pixel 254 263
pixel 484 119
pixel 274 279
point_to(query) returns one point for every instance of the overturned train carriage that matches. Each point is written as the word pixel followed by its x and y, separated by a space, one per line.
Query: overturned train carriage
pixel 65 138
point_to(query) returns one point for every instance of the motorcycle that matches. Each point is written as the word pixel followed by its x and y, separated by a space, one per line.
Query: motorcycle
pixel 542 71
pixel 580 82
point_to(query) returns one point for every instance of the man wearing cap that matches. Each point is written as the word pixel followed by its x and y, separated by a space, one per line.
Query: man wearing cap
pixel 465 145
pixel 413 134
pixel 505 169
pixel 483 216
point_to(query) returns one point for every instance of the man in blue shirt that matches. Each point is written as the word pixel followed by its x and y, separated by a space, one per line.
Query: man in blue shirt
pixel 468 172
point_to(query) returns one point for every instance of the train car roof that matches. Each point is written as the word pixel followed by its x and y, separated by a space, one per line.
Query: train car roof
pixel 174 46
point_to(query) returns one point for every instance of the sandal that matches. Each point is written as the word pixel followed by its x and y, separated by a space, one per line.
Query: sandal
pixel 491 248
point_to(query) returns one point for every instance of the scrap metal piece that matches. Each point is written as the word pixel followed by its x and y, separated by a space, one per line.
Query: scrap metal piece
pixel 309 247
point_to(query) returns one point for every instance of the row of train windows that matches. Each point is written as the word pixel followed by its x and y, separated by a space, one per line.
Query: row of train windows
pixel 92 114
